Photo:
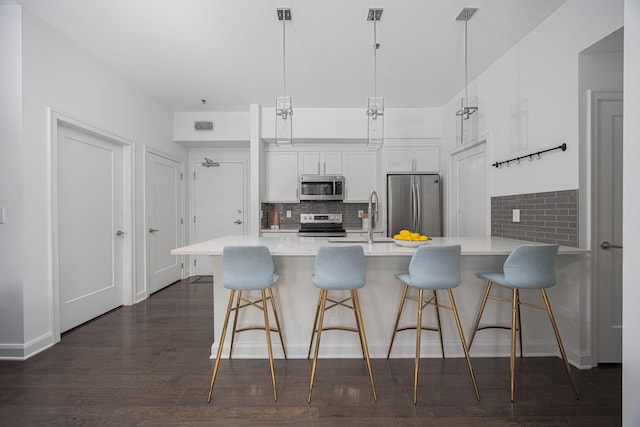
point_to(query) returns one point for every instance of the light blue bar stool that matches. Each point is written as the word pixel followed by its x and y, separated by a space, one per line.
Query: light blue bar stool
pixel 248 268
pixel 432 267
pixel 339 268
pixel 529 266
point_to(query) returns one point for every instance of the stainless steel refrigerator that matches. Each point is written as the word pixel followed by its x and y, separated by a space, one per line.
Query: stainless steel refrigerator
pixel 414 203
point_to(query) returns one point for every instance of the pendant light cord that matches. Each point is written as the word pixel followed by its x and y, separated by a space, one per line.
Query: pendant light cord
pixel 466 66
pixel 284 53
pixel 375 59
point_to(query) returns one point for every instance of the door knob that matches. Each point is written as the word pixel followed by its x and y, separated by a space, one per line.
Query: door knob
pixel 153 230
pixel 119 233
pixel 606 245
pixel 237 221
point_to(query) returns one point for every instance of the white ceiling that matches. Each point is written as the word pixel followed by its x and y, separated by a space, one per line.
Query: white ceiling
pixel 229 52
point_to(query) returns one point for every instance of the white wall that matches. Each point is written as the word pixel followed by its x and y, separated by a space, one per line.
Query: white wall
pixel 11 184
pixel 60 75
pixel 350 124
pixel 228 126
pixel 541 70
pixel 631 211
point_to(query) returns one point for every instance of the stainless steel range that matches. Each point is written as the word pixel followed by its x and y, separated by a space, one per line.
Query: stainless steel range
pixel 321 225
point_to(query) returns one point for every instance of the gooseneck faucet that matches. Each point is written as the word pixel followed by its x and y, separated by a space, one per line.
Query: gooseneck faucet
pixel 373 216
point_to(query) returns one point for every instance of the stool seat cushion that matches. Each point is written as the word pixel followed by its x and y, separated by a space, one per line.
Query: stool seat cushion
pixel 529 266
pixel 247 268
pixel 339 268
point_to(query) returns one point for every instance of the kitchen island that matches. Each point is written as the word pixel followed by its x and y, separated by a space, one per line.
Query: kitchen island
pixel 296 296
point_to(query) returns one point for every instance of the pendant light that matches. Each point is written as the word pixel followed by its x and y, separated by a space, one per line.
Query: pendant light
pixel 375 107
pixel 467 107
pixel 284 112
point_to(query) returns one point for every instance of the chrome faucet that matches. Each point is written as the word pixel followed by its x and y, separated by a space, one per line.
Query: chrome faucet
pixel 373 216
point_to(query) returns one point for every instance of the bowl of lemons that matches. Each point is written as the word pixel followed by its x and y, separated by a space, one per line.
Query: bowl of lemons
pixel 412 240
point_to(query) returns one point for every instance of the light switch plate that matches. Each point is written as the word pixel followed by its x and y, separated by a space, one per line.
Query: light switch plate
pixel 516 215
pixel 288 214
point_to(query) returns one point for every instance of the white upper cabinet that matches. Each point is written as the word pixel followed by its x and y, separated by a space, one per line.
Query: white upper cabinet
pixel 281 176
pixel 360 174
pixel 412 159
pixel 320 162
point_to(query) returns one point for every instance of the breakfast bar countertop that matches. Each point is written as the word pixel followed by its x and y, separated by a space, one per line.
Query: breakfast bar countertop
pixel 308 246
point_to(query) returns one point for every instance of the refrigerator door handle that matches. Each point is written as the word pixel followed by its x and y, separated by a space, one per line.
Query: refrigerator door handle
pixel 418 228
pixel 414 206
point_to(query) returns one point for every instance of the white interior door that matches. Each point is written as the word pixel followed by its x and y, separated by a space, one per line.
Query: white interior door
pixel 470 201
pixel 164 229
pixel 608 134
pixel 219 205
pixel 89 226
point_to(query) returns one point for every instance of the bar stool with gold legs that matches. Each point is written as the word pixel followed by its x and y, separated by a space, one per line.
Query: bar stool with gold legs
pixel 248 268
pixel 432 268
pixel 528 266
pixel 339 268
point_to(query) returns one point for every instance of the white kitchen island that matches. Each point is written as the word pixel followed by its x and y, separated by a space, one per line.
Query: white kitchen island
pixel 296 296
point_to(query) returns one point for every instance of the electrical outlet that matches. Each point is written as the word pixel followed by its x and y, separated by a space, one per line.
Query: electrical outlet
pixel 516 215
pixel 288 214
pixel 360 214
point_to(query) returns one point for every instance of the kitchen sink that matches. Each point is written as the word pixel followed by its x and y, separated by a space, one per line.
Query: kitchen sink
pixel 359 240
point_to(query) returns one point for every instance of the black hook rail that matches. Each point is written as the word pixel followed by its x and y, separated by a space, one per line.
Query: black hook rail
pixel 562 147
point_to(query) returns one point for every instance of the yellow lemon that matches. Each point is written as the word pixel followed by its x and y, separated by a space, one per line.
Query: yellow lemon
pixel 397 237
pixel 415 236
pixel 423 238
pixel 404 232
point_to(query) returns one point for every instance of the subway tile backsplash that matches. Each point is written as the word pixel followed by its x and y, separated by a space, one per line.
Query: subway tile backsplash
pixel 349 212
pixel 550 217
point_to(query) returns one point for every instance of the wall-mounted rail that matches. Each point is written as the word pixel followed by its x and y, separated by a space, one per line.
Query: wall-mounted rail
pixel 562 147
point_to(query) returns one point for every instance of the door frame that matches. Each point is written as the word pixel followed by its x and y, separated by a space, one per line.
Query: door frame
pixel 55 119
pixel 145 247
pixel 452 203
pixel 594 97
pixel 221 154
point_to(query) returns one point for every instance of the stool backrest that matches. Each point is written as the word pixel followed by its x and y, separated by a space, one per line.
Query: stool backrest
pixel 247 267
pixel 340 267
pixel 435 267
pixel 531 266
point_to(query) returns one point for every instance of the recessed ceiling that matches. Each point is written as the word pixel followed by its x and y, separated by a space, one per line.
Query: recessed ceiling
pixel 229 52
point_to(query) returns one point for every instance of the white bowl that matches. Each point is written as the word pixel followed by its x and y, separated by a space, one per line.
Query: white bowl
pixel 411 243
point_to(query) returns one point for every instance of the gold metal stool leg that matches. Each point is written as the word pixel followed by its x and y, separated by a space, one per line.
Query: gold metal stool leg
pixel 275 314
pixel 395 327
pixel 318 328
pixel 474 329
pixel 315 324
pixel 220 345
pixel 435 300
pixel 363 339
pixel 520 328
pixel 512 361
pixel 562 352
pixel 235 322
pixel 417 361
pixel 268 332
pixel 464 345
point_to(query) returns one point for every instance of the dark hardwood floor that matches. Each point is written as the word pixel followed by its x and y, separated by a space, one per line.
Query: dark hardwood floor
pixel 148 365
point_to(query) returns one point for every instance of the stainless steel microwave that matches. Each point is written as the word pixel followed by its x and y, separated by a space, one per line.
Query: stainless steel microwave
pixel 321 187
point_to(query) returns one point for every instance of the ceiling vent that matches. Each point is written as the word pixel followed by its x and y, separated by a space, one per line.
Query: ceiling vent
pixel 204 126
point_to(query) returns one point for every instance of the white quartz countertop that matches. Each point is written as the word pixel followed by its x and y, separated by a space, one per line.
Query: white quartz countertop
pixel 308 246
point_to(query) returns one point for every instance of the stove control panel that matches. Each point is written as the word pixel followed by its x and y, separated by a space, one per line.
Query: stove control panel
pixel 321 218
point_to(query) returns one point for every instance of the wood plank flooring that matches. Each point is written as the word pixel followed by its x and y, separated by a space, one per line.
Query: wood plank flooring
pixel 148 365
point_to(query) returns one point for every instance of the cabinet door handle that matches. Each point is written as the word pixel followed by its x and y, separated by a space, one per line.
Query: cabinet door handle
pixel 153 230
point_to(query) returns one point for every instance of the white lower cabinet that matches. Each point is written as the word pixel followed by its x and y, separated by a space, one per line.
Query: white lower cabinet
pixel 360 170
